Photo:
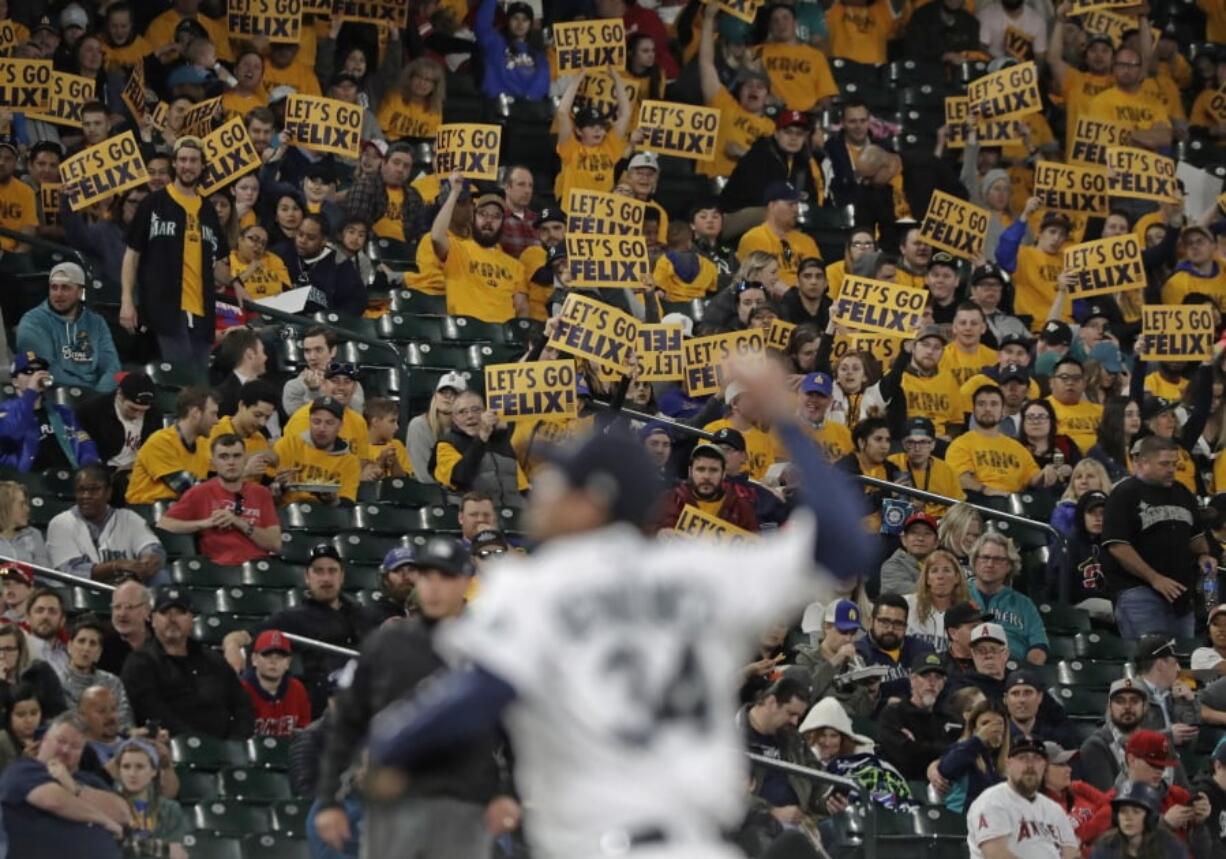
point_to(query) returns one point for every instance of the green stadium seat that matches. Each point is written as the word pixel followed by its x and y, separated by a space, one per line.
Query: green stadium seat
pixel 432 518
pixel 1047 674
pixel 363 548
pixel 482 355
pixel 1089 674
pixel 923 95
pixel 177 545
pixel 45 508
pixel 262 786
pixel 207 600
pixel 406 492
pixel 207 753
pixel 254 602
pixel 943 823
pixel 1062 646
pixel 846 71
pixel 362 577
pixel 58 481
pixel 381 382
pixel 517 332
pixel 1025 538
pixel 72 395
pixel 315 518
pixel 1102 646
pixel 201 572
pixel 509 519
pixel 411 328
pixel 210 847
pixel 368 355
pixel 466 329
pixel 1034 505
pixel 410 301
pixel 356 324
pixel 296 546
pixel 88 599
pixel 379 519
pixel 197 786
pixel 290 817
pixel 234 819
pixel 273 573
pixel 1064 620
pixel 172 377
pixel 446 356
pixel 270 753
pixel 1078 701
pixel 268 846
pixel 214 628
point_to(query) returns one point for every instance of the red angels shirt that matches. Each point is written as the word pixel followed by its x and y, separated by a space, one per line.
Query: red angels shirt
pixel 280 715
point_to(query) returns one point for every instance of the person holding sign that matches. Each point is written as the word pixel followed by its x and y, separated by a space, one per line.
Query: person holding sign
pixel 799 73
pixel 589 144
pixel 1077 86
pixel 1130 106
pixel 777 234
pixel 1200 271
pixel 18 206
pixel 476 454
pixel 929 391
pixel 743 116
pixel 414 108
pixel 1035 268
pixel 707 488
pixel 986 460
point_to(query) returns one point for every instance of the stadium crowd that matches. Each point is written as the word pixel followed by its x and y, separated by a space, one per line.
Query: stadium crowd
pixel 1034 667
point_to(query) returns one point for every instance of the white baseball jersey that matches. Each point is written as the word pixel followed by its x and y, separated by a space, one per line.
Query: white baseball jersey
pixel 1034 828
pixel 624 654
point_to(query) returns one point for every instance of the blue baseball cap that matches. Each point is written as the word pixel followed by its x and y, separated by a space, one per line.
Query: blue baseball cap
pixel 399 557
pixel 780 191
pixel 27 362
pixel 817 383
pixel 1107 355
pixel 845 615
pixel 652 428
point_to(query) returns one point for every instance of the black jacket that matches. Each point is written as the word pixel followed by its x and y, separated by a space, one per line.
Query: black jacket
pixel 933 731
pixel 394 662
pixel 763 164
pixel 193 694
pixel 97 417
pixel 339 284
pixel 933 31
pixel 306 751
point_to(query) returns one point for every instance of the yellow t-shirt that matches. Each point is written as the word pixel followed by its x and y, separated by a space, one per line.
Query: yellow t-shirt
pixel 1080 88
pixel 427 184
pixel 532 259
pixel 122 59
pixel 162 455
pixel 962 366
pixel 1219 472
pixel 759 449
pixel 1035 282
pixel 1136 112
pixel 399 118
pixel 861 33
pixel 933 397
pixel 301 78
pixel 1165 91
pixel 906 278
pixel 1185 470
pixel 676 289
pixel 18 210
pixel 998 462
pixel 353 429
pixel 234 102
pixel 938 477
pixel 532 439
pixel 481 282
pixel 1215 20
pixel 835 272
pixel 402 454
pixel 974 383
pixel 271 278
pixel 1079 422
pixel 193 277
pixel 833 438
pixel 799 74
pixel 1157 386
pixel 391 224
pixel 1181 283
pixel 711 508
pixel 255 443
pixel 787 250
pixel 1209 109
pixel 588 168
pixel 428 279
pixel 317 466
pixel 161 31
pixel 737 126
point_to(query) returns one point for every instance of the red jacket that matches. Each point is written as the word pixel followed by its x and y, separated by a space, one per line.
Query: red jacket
pixel 640 20
pixel 282 715
pixel 1080 802
pixel 737 508
pixel 1101 821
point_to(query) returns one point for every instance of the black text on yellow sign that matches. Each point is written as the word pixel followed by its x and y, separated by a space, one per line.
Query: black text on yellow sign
pixel 274 20
pixel 133 94
pixel 592 329
pixel 1140 174
pixel 25 85
pixel 659 352
pixel 988 132
pixel 596 213
pixel 1106 266
pixel 1071 187
pixel 394 12
pixel 102 171
pixel 8 36
pixel 470 148
pixel 780 334
pixel 608 261
pixel 955 225
pixel 1010 92
pixel 198 121
pixel 532 390
pixel 705 358
pixel 228 154
pixel 883 347
pixel 590 45
pixel 67 94
pixel 683 130
pixel 1091 137
pixel 1217 104
pixel 693 522
pixel 324 124
pixel 1080 7
pixel 49 199
pixel 1177 332
pixel 1018 44
pixel 1111 24
pixel 746 10
pixel 879 306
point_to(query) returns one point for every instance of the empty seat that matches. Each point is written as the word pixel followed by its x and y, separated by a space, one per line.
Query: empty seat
pixel 365 548
pixel 433 518
pixel 273 573
pixel 519 331
pixel 201 572
pixel 1064 619
pixel 1078 701
pixel 268 753
pixel 212 629
pixel 254 602
pixel 207 753
pixel 171 376
pixel 88 599
pixel 289 817
pixel 410 301
pixel 410 327
pixel 296 546
pixel 45 508
pixel 406 492
pixel 356 324
pixel 1101 646
pixel 379 519
pixel 197 786
pixel 1089 674
pixel 255 785
pixel 177 545
pixel 466 329
pixel 234 819
pixel 316 518
pixel 393 251
pixel 212 847
pixel 268 846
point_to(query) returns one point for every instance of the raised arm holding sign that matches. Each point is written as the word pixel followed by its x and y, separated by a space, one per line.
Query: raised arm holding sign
pixel 325 125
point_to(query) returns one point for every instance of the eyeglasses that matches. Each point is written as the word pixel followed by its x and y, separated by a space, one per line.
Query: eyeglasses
pixel 490 553
pixel 1037 418
pixel 993 559
pixel 471 410
pixel 1123 65
pixel 1069 377
pixel 864 244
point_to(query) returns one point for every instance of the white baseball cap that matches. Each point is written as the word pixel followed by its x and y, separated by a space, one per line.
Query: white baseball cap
pixel 989 632
pixel 1205 659
pixel 686 323
pixel 734 390
pixel 452 380
pixel 645 159
pixel 67 272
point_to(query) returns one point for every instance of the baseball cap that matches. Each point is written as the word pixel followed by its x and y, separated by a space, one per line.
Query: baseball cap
pixel 376 143
pixel 1195 228
pixel 172 597
pixel 1014 339
pixel 780 191
pixel 937 331
pixel 1151 747
pixel 482 541
pixel 67 272
pixel 1024 745
pixel 323 550
pixel 550 215
pixel 706 448
pixel 1057 754
pixel 962 614
pixel 1151 406
pixel 844 614
pixel 18 571
pixel 817 383
pixel 1157 647
pixel 989 271
pixel 272 640
pixel 447 555
pixel 729 436
pixel 1056 333
pixel 928 663
pixel 732 391
pixel 490 199
pixel 811 262
pixel 588 115
pixel 988 632
pixel 327 404
pixel 1107 355
pixel 401 556
pixel 138 388
pixel 652 428
pixel 615 468
pixel 1094 499
pixel 1099 37
pixel 790 119
pixel 919 427
pixel 1014 373
pixel 520 8
pixel 645 159
pixel 321 171
pixel 342 368
pixel 452 380
pixel 919 518
pixel 942 258
pixel 1023 677
pixel 44 23
pixel 1055 219
pixel 344 77
pixel 1126 684
pixel 27 362
pixel 1217 609
pixel 8 142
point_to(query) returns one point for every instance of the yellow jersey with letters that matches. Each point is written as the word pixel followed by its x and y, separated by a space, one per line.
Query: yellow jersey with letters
pixel 1079 91
pixel 788 250
pixel 736 126
pixel 1035 285
pixel 18 210
pixel 1157 386
pixel 934 397
pixel 353 430
pixel 161 31
pixel 587 168
pixel 1181 283
pixel 1137 111
pixel 399 118
pixel 1079 421
pixel 963 366
pixel 271 277
pixel 164 455
pixel 428 279
pixel 936 477
pixel 759 448
pixel 532 259
pixel 997 461
pixel 861 33
pixel 340 467
pixel 799 74
pixel 481 282
pixel 391 224
pixel 833 438
pixel 676 289
pixel 192 300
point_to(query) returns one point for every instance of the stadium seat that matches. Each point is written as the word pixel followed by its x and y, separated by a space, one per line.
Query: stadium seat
pixel 176 545
pixel 201 572
pixel 517 332
pixel 273 573
pixel 412 302
pixel 1101 646
pixel 231 818
pixel 1078 701
pixel 1062 646
pixel 271 753
pixel 845 72
pixel 394 253
pixel 207 600
pixel 45 508
pixel 406 492
pixel 214 628
pixel 1034 505
pixel 446 356
pixel 207 753
pixel 1064 620
pixel 379 519
pixel 411 327
pixel 209 847
pixel 262 786
pixel 296 546
pixel 1089 674
pixel 369 355
pixel 254 602
pixel 466 329
pixel 289 817
pixel 172 377
pixel 362 577
pixel 925 95
pixel 433 518
pixel 268 846
pixel 88 599
pixel 356 324
pixel 197 786
pixel 365 548
pixel 315 518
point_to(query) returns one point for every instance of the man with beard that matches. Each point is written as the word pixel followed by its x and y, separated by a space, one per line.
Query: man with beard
pixel 706 489
pixel 176 255
pixel 45 633
pixel 1013 29
pixel 988 461
pixel 1077 86
pixel 76 340
pixel 398 577
pixel 888 644
pixel 318 457
pixel 481 277
pixel 176 457
pixel 915 258
pixel 532 293
pixel 1014 819
pixel 335 284
pixel 777 234
pixel 912 733
pixel 1102 753
pixel 928 391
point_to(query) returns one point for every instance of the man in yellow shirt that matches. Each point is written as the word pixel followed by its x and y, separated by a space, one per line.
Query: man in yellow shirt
pixel 1076 417
pixel 859 30
pixel 589 143
pixel 257 403
pixel 175 458
pixel 816 391
pixel 482 279
pixel 743 116
pixel 1131 106
pixel 743 417
pixel 930 392
pixel 1076 86
pixel 799 73
pixel 339 384
pixel 928 472
pixel 318 456
pixel 967 356
pixel 777 234
pixel 1035 268
pixel 915 258
pixel 163 29
pixel 989 462
pixel 551 230
pixel 18 207
pixel 1200 271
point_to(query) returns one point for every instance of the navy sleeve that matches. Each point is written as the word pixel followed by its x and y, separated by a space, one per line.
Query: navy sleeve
pixel 21 777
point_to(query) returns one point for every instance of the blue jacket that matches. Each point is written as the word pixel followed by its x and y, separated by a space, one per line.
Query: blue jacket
pixel 20 432
pixel 1019 617
pixel 897 683
pixel 80 351
pixel 959 766
pixel 516 70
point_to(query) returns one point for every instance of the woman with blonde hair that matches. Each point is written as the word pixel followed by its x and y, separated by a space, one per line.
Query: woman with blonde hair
pixel 959 529
pixel 426 429
pixel 414 108
pixel 19 541
pixel 1088 475
pixel 941 584
pixel 18 666
pixel 977 760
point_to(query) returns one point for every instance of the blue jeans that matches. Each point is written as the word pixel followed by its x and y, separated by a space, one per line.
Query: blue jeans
pixel 1142 611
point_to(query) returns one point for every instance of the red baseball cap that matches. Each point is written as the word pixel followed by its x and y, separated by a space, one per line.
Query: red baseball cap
pixel 272 639
pixel 18 571
pixel 789 118
pixel 1151 747
pixel 921 518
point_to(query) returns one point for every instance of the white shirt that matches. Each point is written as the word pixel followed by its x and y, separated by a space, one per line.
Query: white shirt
pixel 126 455
pixel 1033 828
pixel 931 630
pixel 993 22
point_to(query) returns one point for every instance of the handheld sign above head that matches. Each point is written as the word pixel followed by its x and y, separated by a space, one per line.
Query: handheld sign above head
pixel 532 390
pixel 274 20
pixel 1105 266
pixel 1113 25
pixel 660 353
pixel 597 331
pixel 605 243
pixel 102 171
pixel 470 148
pixel 1071 187
pixel 228 154
pixel 134 92
pixel 325 125
pixel 25 84
pixel 988 132
pixel 589 45
pixel 706 358
pixel 381 12
pixel 1092 137
pixel 200 118
pixel 1140 175
pixel 683 130
pixel 955 225
pixel 1081 7
pixel 1011 92
pixel 780 334
pixel 879 306
pixel 67 94
pixel 1182 332
pixel 746 10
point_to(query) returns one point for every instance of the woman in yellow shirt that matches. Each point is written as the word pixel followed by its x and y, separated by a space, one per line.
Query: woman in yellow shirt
pixel 643 73
pixel 246 200
pixel 415 107
pixel 589 144
pixel 860 242
pixel 259 273
pixel 249 93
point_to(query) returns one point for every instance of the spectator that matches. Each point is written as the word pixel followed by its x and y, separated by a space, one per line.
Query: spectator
pixel 158 821
pixel 93 540
pixel 77 339
pixel 769 728
pixel 927 471
pixel 799 73
pixel 658 443
pixel 22 717
pixel 17 580
pixel 976 761
pixel 339 383
pixel 20 669
pixel 279 701
pixel 827 731
pixel 960 528
pixel 901 571
pixel 1131 106
pixel 174 459
pixel 1154 548
pixel 476 514
pixel 1007 818
pixel 257 273
pixel 131 607
pixel 1102 753
pixel 178 682
pixel 1137 826
pixel 1209 663
pixel 589 143
pixel 1078 799
pixel 381 195
pixel 317 464
pixel 987 461
pixel 1212 784
pixel 120 422
pixel 912 733
pixel 51 809
pixel 784 156
pixel 426 429
pixel 318 352
pixel 968 355
pixel 987 289
pixel 1172 703
pixel 1024 696
pixel 835 651
pixel 926 390
pixel 45 629
pixel 961 619
pixel 236 519
pixel 777 234
pixel 80 670
pixel 397 579
pixel 817 393
pixel 871 458
pixel 1078 87
pixel 99 711
pixel 1087 585
pixel 1087 475
pixel 19 540
pixel 513 65
pixel 482 279
pixel 742 104
pixel 1076 417
pixel 335 284
pixel 888 644
pixel 164 28
pixel 257 409
pixel 1054 452
pixel 743 415
pixel 242 351
pixel 477 454
pixel 995 561
pixel 944 33
pixel 1195 273
pixel 179 310
pixel 36 435
pixel 519 226
pixel 707 485
pixel 387 453
pixel 941 586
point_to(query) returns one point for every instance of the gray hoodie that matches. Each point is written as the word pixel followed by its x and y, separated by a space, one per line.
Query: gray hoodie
pixel 900 573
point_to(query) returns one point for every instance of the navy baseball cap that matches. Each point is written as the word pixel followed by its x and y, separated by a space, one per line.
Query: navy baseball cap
pixel 326 404
pixel 401 556
pixel 780 191
pixel 845 615
pixel 27 362
pixel 447 555
pixel 920 426
pixel 342 368
pixel 550 215
pixel 653 428
pixel 817 383
pixel 323 550
pixel 730 436
pixel 616 469
pixel 173 597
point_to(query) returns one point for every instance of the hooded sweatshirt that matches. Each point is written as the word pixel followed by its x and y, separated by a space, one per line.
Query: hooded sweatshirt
pixel 80 350
pixel 510 68
pixel 1085 561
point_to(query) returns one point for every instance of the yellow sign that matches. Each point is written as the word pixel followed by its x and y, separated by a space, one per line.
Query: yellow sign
pixel 589 45
pixel 1071 187
pixel 594 330
pixel 780 334
pixel 988 132
pixel 602 214
pixel 1106 266
pixel 532 390
pixel 608 261
pixel 677 129
pixel 693 522
pixel 883 347
pixel 102 171
pixel 198 121
pixel 394 12
pixel 1140 174
pixel 159 114
pixel 274 20
pixel 68 94
pixel 1080 7
pixel 879 306
pixel 1182 332
pixel 324 124
pixel 1018 44
pixel 49 199
pixel 1091 137
pixel 8 36
pixel 472 149
pixel 1217 104
pixel 746 10
pixel 1008 93
pixel 228 154
pixel 705 357
pixel 25 85
pixel 660 354
pixel 1111 24
pixel 955 225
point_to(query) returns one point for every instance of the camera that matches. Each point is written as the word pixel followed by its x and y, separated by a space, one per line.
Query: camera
pixel 139 845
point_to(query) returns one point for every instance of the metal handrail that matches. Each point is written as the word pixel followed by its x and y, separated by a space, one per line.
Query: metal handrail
pixel 867 806
pixel 46 244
